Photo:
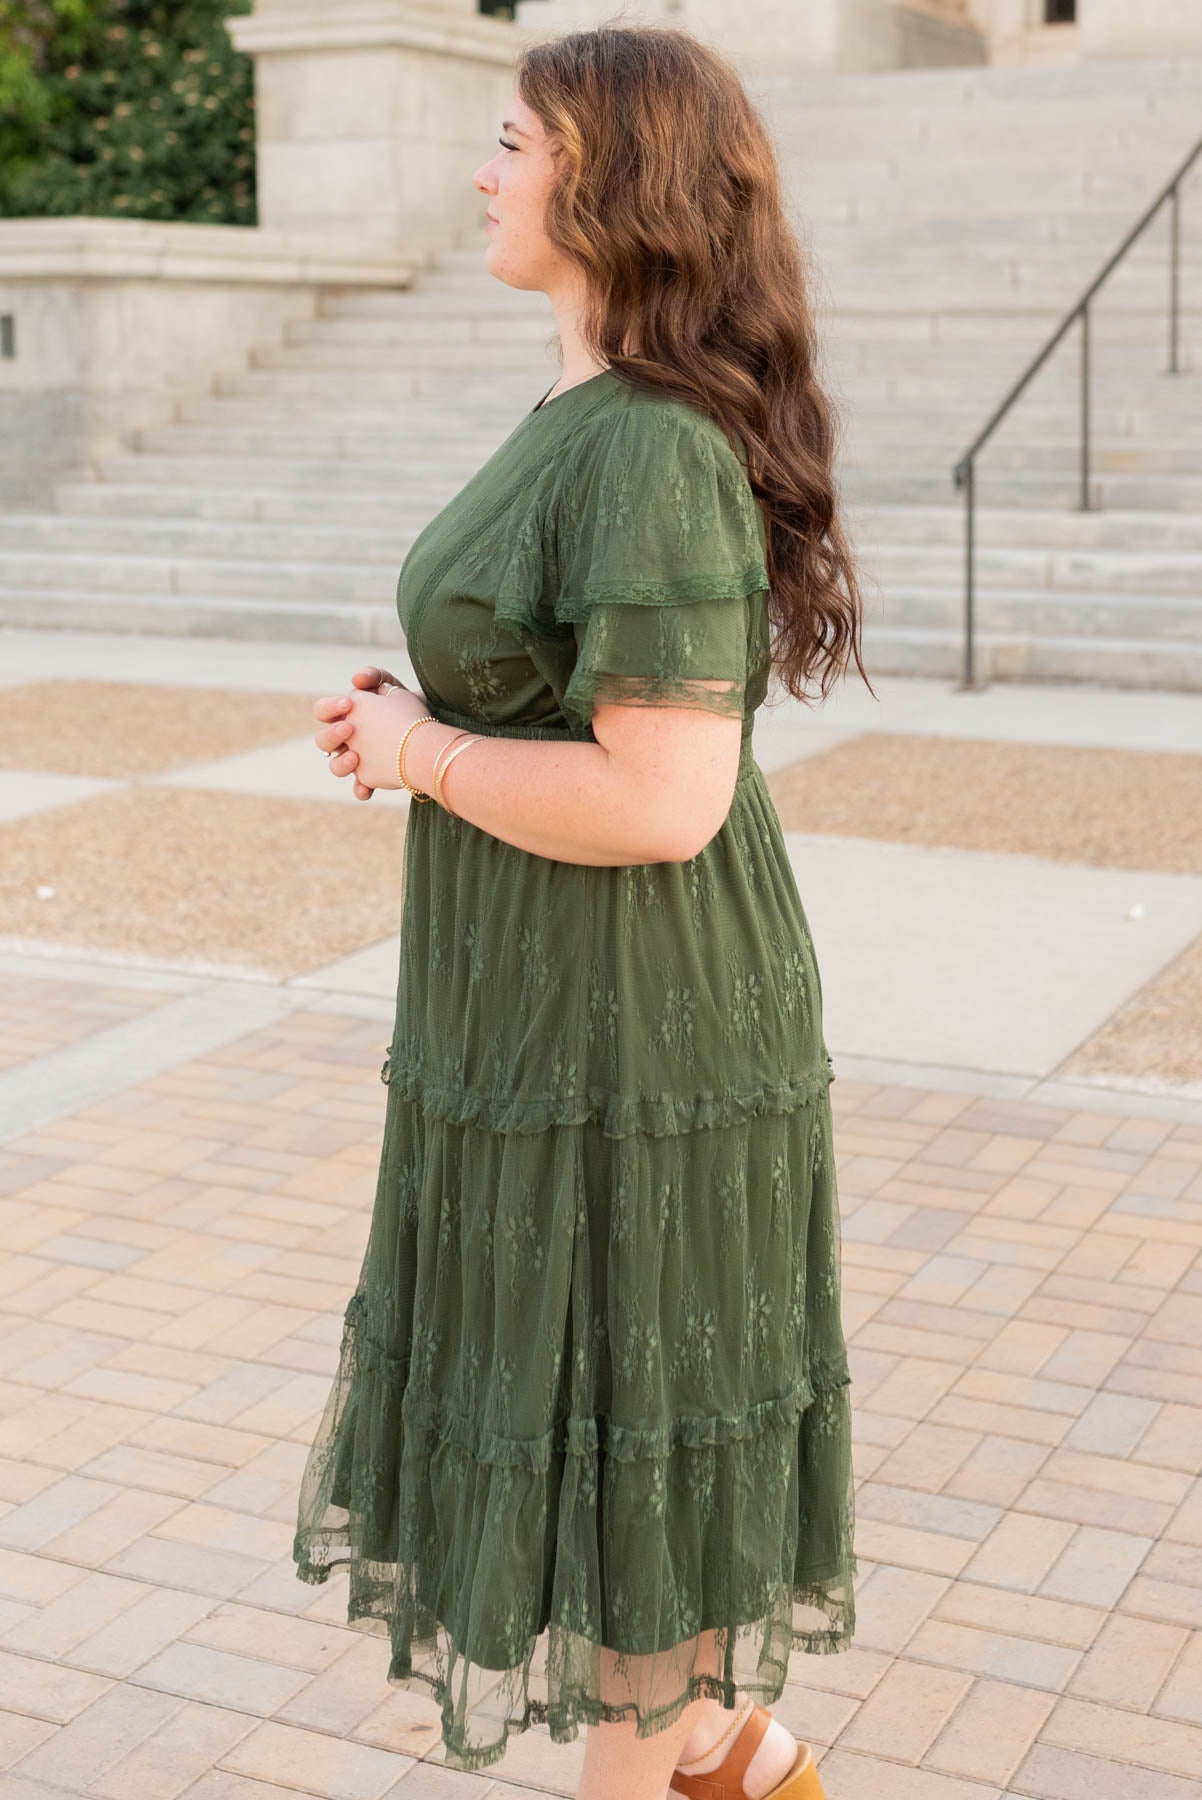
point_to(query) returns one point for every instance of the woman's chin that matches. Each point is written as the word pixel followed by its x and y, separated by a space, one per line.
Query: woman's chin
pixel 511 277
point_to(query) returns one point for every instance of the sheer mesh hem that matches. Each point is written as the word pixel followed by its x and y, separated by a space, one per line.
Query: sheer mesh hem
pixel 560 1682
pixel 596 1575
pixel 656 690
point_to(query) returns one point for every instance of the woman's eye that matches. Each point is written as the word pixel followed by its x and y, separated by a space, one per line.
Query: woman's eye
pixel 505 145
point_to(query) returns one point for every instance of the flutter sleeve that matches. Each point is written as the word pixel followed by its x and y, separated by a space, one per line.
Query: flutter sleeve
pixel 660 546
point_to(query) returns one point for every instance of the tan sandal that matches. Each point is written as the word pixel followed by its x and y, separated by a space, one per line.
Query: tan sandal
pixel 726 1781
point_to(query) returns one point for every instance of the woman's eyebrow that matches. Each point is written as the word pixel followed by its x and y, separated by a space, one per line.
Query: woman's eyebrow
pixel 508 125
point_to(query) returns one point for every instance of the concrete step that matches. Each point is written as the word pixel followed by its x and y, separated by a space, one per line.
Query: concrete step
pixel 246 617
pixel 408 445
pixel 482 296
pixel 1137 457
pixel 472 360
pixel 1034 528
pixel 411 478
pixel 1123 574
pixel 303 540
pixel 912 396
pixel 437 424
pixel 446 328
pixel 505 392
pixel 169 501
pixel 1125 139
pixel 1038 612
pixel 1136 663
pixel 1009 488
pixel 216 577
pixel 1064 261
pixel 889 178
pixel 914 347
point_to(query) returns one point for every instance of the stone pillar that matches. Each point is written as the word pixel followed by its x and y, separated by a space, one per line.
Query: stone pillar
pixel 373 114
pixel 1115 28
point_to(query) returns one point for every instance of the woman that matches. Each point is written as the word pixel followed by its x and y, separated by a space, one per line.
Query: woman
pixel 587 1453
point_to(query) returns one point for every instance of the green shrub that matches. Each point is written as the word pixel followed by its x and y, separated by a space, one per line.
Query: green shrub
pixel 125 109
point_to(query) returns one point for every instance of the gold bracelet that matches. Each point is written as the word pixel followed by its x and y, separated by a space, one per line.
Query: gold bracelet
pixel 471 738
pixel 417 794
pixel 438 760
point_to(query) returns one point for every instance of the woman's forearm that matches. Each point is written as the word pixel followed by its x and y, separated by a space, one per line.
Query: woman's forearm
pixel 568 801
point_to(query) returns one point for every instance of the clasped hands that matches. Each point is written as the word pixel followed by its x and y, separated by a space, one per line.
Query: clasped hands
pixel 363 731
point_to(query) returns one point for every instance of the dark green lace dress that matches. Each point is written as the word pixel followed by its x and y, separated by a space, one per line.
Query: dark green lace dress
pixel 587 1453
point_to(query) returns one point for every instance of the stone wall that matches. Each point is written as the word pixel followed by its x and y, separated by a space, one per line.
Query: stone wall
pixel 114 320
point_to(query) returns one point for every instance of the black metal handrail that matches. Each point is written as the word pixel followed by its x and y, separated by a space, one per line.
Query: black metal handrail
pixel 964 473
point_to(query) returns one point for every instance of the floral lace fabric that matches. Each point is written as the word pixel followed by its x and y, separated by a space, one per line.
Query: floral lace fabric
pixel 587 1451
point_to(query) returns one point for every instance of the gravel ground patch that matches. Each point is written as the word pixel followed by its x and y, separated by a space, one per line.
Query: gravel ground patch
pixel 115 730
pixel 1116 809
pixel 1156 1035
pixel 277 885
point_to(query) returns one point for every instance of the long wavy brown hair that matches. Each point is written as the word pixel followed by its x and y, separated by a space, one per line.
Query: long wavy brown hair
pixel 670 201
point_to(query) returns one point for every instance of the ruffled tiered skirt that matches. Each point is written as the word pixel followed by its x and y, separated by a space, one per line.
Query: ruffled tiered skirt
pixel 587 1453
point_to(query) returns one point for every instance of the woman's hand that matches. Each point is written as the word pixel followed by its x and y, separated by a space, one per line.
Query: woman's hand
pixel 375 721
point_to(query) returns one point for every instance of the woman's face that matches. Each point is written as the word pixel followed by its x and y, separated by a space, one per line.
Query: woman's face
pixel 517 181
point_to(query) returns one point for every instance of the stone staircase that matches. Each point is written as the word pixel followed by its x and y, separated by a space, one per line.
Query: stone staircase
pixel 952 216
pixel 955 216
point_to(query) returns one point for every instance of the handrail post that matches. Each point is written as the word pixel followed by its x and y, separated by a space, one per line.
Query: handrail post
pixel 1085 407
pixel 1175 281
pixel 968 469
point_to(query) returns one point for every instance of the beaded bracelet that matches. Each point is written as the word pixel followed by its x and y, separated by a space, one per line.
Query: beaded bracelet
pixel 416 793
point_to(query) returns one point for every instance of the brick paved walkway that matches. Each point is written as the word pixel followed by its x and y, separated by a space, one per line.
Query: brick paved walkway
pixel 1023 1288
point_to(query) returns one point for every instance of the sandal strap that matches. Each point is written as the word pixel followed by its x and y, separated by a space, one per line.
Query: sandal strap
pixel 726 1781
